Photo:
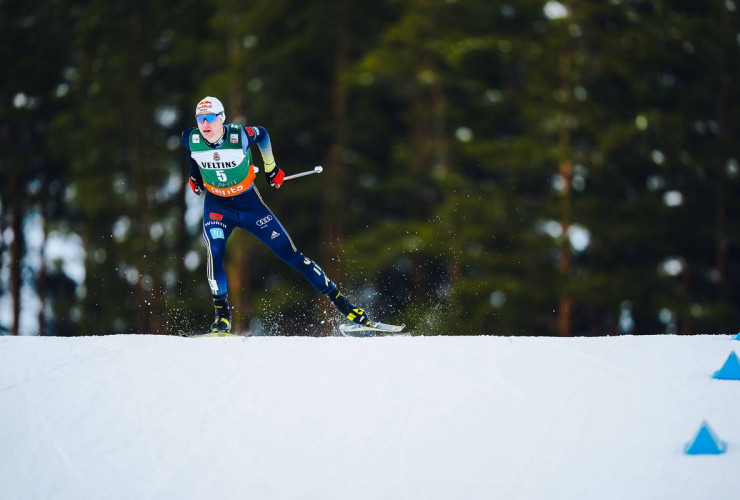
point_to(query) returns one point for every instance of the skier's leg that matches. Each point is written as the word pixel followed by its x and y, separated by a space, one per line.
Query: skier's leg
pixel 217 227
pixel 268 229
pixel 262 222
pixel 215 238
pixel 347 308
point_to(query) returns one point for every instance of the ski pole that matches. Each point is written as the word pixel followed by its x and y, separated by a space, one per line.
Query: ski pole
pixel 317 170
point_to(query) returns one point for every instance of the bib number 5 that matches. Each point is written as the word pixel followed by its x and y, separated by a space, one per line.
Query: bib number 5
pixel 221 175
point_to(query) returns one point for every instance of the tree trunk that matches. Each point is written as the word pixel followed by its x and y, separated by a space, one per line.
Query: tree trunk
pixel 238 271
pixel 4 247
pixel 140 223
pixel 17 251
pixel 333 200
pixel 183 241
pixel 141 219
pixel 565 168
pixel 240 248
pixel 686 322
pixel 41 280
pixel 722 152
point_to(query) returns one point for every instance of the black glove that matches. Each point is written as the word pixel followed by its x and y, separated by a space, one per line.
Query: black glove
pixel 196 186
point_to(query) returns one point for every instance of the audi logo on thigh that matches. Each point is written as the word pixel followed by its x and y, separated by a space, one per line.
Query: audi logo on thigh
pixel 264 220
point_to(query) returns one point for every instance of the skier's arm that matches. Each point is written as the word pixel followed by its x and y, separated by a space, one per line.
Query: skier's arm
pixel 258 135
pixel 196 179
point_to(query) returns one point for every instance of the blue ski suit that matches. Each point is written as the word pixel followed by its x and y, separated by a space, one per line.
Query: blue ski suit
pixel 221 215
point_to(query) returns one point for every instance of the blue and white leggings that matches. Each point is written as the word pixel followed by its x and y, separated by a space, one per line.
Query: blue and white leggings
pixel 247 211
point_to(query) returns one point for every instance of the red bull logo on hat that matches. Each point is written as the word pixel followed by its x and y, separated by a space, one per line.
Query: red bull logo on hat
pixel 210 105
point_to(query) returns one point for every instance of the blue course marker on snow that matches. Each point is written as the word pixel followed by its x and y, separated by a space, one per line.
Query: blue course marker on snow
pixel 705 443
pixel 737 337
pixel 730 370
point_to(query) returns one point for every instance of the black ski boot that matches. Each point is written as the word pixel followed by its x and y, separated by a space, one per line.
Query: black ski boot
pixel 222 323
pixel 348 309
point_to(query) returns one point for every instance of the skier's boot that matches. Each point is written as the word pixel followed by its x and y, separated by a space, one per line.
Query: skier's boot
pixel 348 309
pixel 222 323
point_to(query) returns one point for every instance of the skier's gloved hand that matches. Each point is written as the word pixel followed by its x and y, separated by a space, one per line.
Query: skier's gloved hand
pixel 275 177
pixel 196 186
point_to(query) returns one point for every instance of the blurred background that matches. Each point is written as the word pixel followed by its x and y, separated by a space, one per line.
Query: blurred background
pixel 507 168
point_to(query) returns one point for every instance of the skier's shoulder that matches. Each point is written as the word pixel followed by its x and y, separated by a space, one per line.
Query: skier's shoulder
pixel 186 137
pixel 254 132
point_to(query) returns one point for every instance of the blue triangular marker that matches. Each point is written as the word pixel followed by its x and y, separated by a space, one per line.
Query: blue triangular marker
pixel 730 370
pixel 705 443
pixel 737 337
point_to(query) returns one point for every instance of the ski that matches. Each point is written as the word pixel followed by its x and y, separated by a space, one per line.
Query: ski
pixel 210 334
pixel 375 329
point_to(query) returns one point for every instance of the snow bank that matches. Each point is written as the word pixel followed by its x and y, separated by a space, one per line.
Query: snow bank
pixel 124 417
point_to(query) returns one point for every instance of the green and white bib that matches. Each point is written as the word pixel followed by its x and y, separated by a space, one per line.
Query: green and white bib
pixel 226 170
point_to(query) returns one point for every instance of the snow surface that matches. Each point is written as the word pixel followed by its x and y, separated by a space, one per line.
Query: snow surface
pixel 154 417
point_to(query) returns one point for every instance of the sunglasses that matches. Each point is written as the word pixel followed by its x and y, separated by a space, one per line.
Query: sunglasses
pixel 206 118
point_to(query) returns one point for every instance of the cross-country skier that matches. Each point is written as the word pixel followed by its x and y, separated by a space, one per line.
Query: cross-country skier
pixel 221 165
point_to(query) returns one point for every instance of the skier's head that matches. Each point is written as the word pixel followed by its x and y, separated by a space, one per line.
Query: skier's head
pixel 209 112
pixel 210 106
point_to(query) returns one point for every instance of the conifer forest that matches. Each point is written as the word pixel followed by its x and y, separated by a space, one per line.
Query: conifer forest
pixel 526 167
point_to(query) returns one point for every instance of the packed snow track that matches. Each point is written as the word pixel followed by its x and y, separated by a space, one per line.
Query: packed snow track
pixel 156 417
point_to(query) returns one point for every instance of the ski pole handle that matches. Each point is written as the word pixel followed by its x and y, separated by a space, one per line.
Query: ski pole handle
pixel 317 170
